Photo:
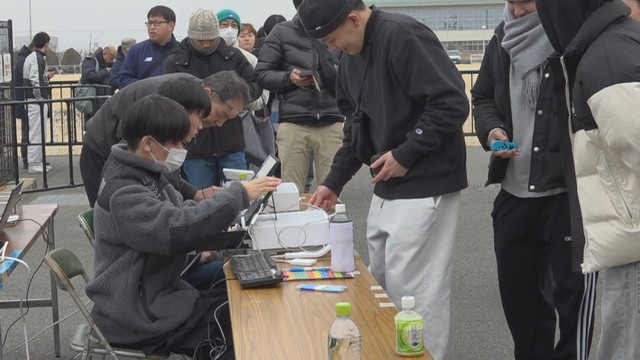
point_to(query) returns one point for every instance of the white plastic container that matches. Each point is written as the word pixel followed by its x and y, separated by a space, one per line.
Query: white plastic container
pixel 341 238
pixel 291 230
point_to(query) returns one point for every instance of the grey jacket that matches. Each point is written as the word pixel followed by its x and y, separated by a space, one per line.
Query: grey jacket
pixel 143 231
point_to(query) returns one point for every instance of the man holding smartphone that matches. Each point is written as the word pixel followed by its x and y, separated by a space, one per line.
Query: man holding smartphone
pixel 310 122
pixel 405 101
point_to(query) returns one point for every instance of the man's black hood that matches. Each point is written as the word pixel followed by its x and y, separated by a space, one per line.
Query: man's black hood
pixel 562 19
pixel 24 51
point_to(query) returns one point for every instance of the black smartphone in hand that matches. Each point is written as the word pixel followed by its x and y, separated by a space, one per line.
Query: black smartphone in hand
pixel 374 171
pixel 306 73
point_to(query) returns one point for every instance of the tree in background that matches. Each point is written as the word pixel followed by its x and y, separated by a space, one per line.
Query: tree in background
pixel 52 58
pixel 71 57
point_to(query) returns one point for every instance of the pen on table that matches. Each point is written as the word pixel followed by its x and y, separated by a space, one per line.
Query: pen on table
pixel 309 268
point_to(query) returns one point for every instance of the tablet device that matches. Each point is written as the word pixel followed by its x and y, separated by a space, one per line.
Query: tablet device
pixel 268 168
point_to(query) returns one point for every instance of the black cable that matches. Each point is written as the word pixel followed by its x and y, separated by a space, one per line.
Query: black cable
pixel 45 235
pixel 218 346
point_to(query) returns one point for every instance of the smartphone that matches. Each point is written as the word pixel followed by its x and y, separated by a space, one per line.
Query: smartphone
pixel 306 73
pixel 374 158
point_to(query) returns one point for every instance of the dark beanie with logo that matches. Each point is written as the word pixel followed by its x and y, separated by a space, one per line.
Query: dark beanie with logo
pixel 321 17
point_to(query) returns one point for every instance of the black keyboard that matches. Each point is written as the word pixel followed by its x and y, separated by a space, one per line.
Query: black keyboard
pixel 255 269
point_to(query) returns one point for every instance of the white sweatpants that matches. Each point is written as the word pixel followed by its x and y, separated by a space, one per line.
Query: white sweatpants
pixel 34 152
pixel 410 250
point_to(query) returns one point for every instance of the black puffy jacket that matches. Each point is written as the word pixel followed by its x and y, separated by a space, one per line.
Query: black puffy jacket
pixel 492 109
pixel 228 138
pixel 100 77
pixel 286 48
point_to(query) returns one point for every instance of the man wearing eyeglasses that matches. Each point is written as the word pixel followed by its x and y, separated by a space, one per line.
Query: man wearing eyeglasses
pixel 203 53
pixel 95 70
pixel 222 97
pixel 147 58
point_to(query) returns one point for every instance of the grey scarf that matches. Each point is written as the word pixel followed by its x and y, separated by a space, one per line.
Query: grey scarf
pixel 529 48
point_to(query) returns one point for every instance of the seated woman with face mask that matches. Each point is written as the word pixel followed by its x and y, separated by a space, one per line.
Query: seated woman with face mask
pixel 144 229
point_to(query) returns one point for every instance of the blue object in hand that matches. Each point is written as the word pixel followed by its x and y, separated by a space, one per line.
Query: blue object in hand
pixel 503 145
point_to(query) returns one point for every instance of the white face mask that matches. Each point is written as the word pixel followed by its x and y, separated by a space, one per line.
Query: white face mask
pixel 229 35
pixel 175 159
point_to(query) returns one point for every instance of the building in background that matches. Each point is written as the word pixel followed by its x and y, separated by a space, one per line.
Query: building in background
pixel 463 25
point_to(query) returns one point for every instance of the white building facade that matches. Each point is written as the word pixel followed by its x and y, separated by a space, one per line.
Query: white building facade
pixel 464 25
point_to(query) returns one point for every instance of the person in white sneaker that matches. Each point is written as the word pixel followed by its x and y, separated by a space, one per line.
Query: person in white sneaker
pixel 35 74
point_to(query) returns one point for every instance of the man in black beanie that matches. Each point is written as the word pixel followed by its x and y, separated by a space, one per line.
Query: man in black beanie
pixel 264 30
pixel 405 105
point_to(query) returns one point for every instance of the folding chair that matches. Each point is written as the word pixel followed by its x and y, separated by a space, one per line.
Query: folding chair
pixel 88 340
pixel 86 223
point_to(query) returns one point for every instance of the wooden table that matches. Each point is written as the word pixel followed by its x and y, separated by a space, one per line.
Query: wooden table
pixel 21 238
pixel 284 323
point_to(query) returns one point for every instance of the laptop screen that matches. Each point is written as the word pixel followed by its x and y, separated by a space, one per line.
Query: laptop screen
pixel 268 168
pixel 11 203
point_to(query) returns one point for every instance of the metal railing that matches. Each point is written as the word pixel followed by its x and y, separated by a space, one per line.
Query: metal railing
pixel 469 77
pixel 64 132
pixel 61 134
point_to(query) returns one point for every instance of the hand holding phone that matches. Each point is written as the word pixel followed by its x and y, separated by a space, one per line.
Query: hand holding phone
pixel 374 171
pixel 301 78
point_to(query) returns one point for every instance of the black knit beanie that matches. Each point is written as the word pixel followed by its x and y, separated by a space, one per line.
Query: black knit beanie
pixel 321 17
pixel 271 22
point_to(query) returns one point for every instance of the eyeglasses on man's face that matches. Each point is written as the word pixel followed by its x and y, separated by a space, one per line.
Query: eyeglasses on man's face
pixel 155 23
pixel 232 112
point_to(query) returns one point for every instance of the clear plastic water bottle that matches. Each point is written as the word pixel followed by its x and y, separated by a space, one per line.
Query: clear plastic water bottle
pixel 409 326
pixel 341 237
pixel 344 336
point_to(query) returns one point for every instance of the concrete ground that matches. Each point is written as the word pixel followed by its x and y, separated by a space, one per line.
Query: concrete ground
pixel 478 328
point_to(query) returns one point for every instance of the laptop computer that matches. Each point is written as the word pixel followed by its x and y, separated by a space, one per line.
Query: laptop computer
pixel 9 206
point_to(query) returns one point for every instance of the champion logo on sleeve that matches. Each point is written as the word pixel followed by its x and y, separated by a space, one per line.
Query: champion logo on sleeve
pixel 148 59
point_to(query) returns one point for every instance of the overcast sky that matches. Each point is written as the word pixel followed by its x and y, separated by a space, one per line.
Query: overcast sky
pixel 75 22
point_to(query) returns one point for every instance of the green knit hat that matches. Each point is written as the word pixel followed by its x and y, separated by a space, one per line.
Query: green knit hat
pixel 228 14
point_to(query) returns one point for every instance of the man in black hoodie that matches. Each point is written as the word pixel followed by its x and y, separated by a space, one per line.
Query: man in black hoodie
pixel 513 101
pixel 597 82
pixel 405 102
pixel 21 111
